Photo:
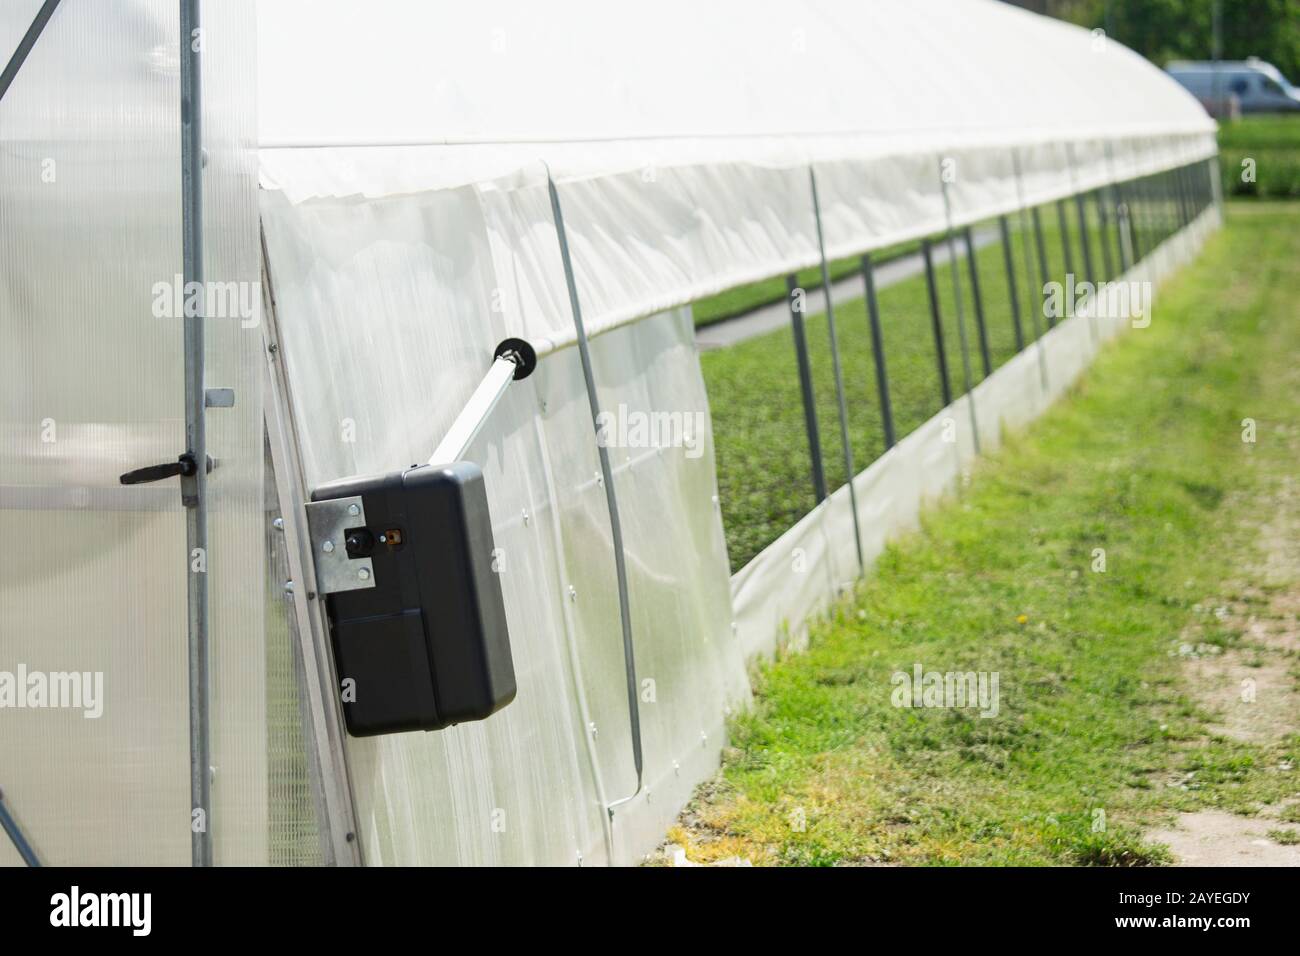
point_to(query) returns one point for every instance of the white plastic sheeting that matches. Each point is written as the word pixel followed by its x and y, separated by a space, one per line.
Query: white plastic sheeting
pixel 680 134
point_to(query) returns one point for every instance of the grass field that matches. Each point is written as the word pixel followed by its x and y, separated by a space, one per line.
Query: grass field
pixel 1273 143
pixel 760 440
pixel 1144 459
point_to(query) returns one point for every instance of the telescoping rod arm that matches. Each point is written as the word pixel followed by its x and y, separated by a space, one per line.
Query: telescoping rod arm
pixel 515 359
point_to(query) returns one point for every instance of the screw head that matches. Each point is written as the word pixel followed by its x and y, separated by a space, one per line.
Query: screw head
pixel 364 574
pixel 278 524
pixel 354 510
pixel 328 547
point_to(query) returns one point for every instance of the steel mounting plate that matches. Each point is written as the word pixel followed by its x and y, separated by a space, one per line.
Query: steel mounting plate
pixel 326 522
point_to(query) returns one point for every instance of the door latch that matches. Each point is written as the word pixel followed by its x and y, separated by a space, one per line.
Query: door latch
pixel 185 466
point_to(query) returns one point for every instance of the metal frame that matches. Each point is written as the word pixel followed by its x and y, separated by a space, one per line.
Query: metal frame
pixel 322 709
pixel 16 836
pixel 806 389
pixel 194 486
pixel 33 33
pixel 849 472
pixel 980 328
pixel 936 324
pixel 1067 248
pixel 954 264
pixel 611 499
pixel 1103 234
pixel 1041 247
pixel 1029 269
pixel 878 350
pixel 1008 258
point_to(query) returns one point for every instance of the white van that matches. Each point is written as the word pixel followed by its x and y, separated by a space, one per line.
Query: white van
pixel 1258 86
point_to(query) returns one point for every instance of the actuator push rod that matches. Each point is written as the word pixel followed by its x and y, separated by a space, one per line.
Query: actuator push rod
pixel 514 360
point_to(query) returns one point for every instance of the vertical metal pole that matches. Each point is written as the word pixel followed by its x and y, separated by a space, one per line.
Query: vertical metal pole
pixel 1008 258
pixel 980 328
pixel 1116 200
pixel 1185 197
pixel 1080 201
pixel 936 324
pixel 1137 209
pixel 611 497
pixel 806 386
pixel 1067 250
pixel 835 364
pixel 878 351
pixel 954 268
pixel 1122 255
pixel 1087 265
pixel 194 487
pixel 1041 248
pixel 1103 235
pixel 1029 270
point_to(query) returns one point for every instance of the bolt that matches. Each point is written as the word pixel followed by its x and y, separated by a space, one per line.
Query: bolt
pixel 328 547
pixel 526 518
pixel 364 574
pixel 288 587
pixel 273 348
pixel 573 594
pixel 592 726
pixel 278 524
pixel 354 510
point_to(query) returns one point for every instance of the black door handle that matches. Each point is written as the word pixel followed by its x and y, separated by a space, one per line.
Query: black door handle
pixel 183 466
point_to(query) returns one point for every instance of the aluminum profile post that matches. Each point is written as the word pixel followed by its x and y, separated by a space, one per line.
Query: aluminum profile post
pixel 194 491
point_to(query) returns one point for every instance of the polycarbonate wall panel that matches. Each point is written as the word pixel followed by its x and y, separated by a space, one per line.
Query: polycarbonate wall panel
pixel 92 384
pixel 242 701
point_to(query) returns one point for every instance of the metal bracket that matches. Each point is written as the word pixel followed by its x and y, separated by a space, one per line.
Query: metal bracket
pixel 219 398
pixel 326 523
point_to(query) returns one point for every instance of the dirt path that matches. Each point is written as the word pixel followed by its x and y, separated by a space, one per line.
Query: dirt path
pixel 1252 686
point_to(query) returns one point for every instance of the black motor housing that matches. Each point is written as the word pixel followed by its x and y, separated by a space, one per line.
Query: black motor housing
pixel 427 646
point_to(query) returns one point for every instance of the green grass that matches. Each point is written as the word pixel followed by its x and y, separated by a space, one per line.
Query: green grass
pixel 1143 459
pixel 758 421
pixel 1273 142
pixel 746 298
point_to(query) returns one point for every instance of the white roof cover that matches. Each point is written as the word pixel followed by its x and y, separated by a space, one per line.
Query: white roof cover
pixel 681 132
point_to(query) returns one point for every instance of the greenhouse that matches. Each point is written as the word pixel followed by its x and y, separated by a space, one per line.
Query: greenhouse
pixel 257 254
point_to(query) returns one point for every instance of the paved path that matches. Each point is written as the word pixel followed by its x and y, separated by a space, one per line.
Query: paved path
pixel 768 318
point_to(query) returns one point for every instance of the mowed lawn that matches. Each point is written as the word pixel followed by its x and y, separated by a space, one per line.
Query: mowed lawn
pixel 1096 734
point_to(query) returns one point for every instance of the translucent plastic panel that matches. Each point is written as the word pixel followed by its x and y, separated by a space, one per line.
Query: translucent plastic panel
pixel 92 387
